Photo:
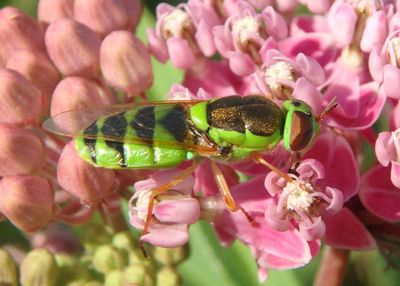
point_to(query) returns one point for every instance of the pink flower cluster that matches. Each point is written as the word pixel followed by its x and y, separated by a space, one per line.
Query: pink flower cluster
pixel 65 60
pixel 84 53
pixel 345 50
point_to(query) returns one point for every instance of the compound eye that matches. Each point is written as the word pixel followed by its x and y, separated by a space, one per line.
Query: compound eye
pixel 301 131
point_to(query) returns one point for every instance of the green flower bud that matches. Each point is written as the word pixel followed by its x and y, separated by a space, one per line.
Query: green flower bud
pixel 70 269
pixel 114 278
pixel 170 256
pixel 39 268
pixel 93 236
pixel 8 269
pixel 167 276
pixel 108 258
pixel 138 274
pixel 123 241
pixel 85 283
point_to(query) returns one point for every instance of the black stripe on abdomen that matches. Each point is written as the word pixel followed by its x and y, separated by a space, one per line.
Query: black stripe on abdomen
pixel 144 123
pixel 175 123
pixel 115 126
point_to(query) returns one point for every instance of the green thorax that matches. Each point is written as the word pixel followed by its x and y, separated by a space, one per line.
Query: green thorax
pixel 240 125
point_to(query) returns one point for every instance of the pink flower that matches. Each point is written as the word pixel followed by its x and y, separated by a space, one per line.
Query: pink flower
pixel 244 34
pixel 173 211
pixel 302 200
pixel 271 249
pixel 183 33
pixel 281 76
pixel 387 149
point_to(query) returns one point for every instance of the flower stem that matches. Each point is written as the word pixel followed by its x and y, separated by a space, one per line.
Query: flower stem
pixel 333 267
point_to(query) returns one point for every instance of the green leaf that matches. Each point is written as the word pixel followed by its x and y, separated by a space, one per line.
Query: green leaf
pixel 372 269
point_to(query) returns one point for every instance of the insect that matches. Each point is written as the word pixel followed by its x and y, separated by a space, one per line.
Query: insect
pixel 164 134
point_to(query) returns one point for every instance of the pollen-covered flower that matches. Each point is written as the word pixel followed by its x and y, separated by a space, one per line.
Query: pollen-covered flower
pixel 301 200
pixel 183 33
pixel 244 35
pixel 173 210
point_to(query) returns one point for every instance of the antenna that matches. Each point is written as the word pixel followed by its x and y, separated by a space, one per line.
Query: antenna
pixel 331 105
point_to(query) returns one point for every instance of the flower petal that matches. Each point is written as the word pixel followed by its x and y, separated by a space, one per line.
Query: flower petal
pixel 344 230
pixel 167 236
pixel 185 211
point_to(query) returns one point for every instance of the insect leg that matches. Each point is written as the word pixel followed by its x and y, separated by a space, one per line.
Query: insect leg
pixel 224 189
pixel 159 190
pixel 258 159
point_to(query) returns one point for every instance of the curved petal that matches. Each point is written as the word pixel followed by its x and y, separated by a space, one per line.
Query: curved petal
pixel 311 69
pixel 185 211
pixel 384 148
pixel 344 230
pixel 336 155
pixel 379 196
pixel 241 64
pixel 180 53
pixel 395 174
pixel 167 236
pixel 391 81
pixel 337 200
pixel 314 231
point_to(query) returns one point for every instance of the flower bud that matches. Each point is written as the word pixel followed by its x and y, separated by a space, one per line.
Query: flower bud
pixel 38 69
pixel 8 269
pixel 170 256
pixel 125 62
pixel 123 241
pixel 74 93
pixel 93 236
pixel 114 278
pixel 167 276
pixel 107 258
pixel 73 48
pixel 20 100
pixel 18 32
pixel 39 268
pixel 69 269
pixel 27 201
pixel 104 17
pixel 138 274
pixel 52 10
pixel 21 152
pixel 88 183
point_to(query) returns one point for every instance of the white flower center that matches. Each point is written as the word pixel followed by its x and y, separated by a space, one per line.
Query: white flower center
pixel 245 28
pixel 176 23
pixel 276 73
pixel 299 197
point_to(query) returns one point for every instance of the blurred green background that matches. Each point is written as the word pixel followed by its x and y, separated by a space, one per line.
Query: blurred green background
pixel 209 263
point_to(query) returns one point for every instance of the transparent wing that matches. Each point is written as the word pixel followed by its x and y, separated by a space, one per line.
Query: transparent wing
pixel 84 123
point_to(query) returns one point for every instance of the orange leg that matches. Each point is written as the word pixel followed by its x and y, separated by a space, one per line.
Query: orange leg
pixel 224 189
pixel 161 189
pixel 258 159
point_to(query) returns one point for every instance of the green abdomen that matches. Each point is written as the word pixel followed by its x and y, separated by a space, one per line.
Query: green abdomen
pixel 142 137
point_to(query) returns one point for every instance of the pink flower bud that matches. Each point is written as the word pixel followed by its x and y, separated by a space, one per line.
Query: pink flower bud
pixel 88 183
pixel 20 100
pixel 27 201
pixel 104 17
pixel 73 47
pixel 21 152
pixel 18 32
pixel 37 68
pixel 52 10
pixel 125 62
pixel 74 93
